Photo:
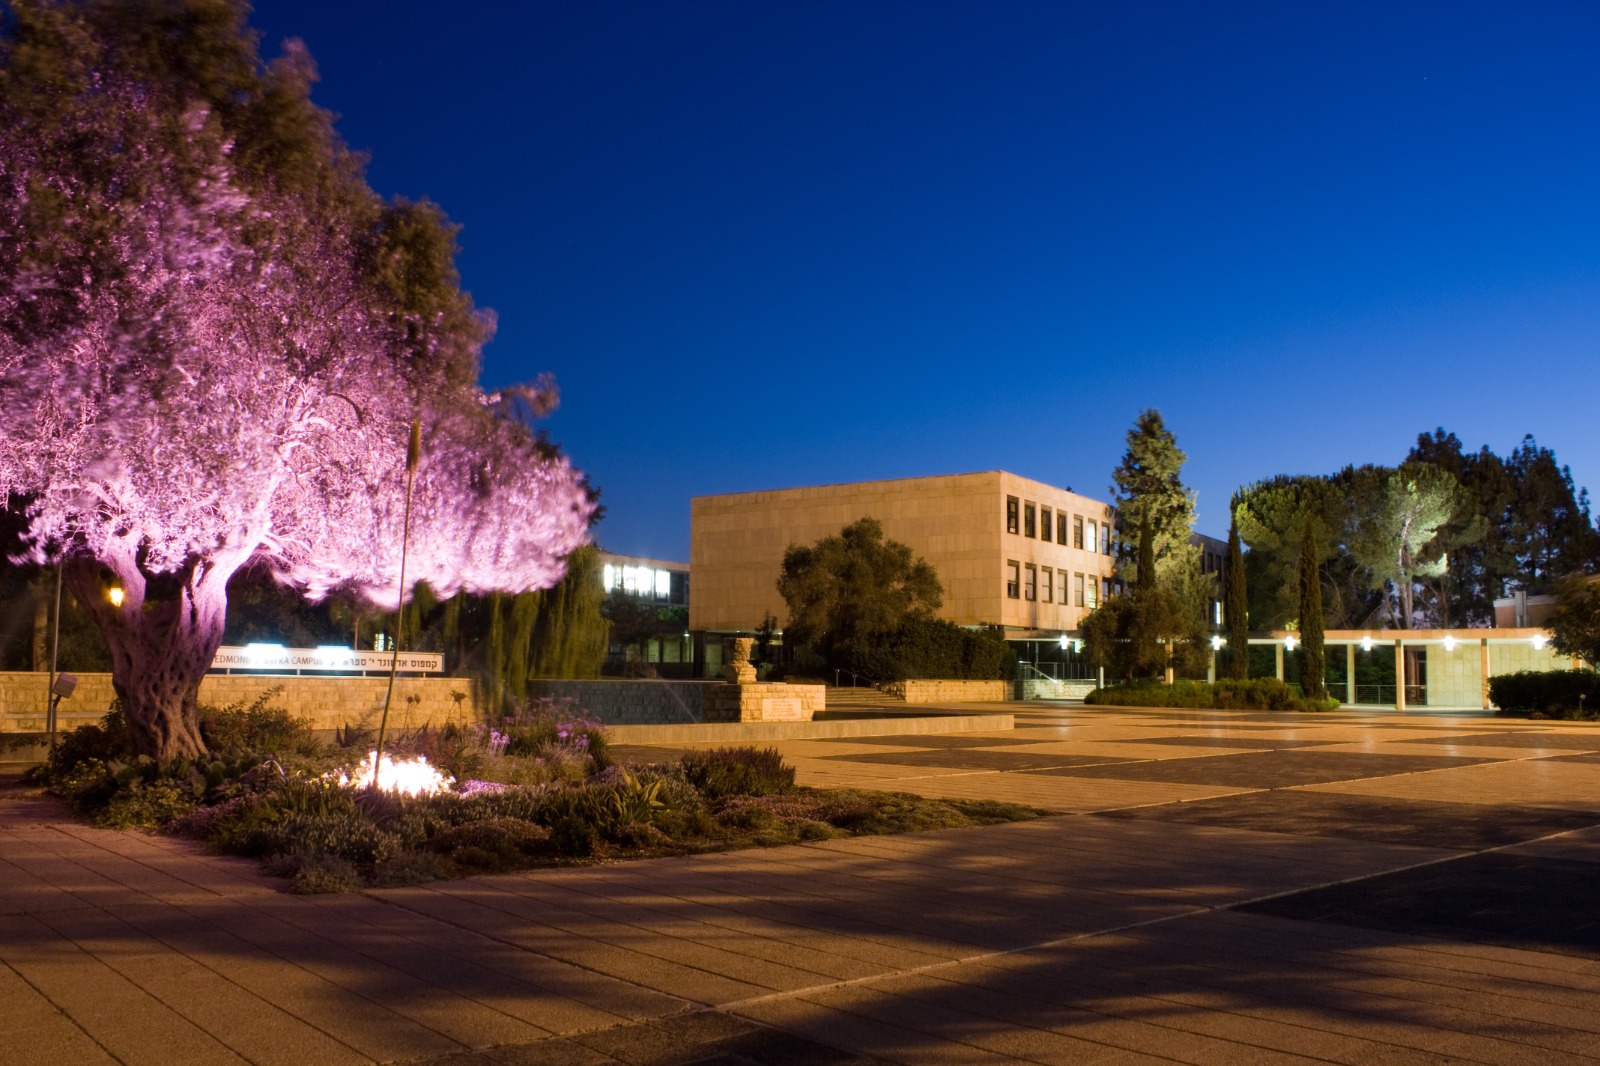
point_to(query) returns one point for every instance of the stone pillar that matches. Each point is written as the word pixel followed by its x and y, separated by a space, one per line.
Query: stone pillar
pixel 1349 673
pixel 1399 674
pixel 1483 669
pixel 1277 647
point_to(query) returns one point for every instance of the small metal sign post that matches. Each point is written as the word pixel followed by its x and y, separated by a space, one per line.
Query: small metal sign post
pixel 61 689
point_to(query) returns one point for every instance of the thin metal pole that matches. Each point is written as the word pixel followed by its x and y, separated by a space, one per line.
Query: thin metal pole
pixel 55 642
pixel 413 451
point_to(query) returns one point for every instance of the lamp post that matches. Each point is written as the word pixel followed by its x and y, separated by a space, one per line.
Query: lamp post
pixel 55 643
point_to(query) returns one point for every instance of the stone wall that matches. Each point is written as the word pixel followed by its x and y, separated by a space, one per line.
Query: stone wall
pixel 1045 688
pixel 768 702
pixel 329 702
pixel 935 691
pixel 631 701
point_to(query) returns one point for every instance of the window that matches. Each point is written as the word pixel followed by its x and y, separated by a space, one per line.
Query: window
pixel 1029 518
pixel 1077 589
pixel 1045 528
pixel 1030 582
pixel 1105 538
pixel 1047 587
pixel 1011 514
pixel 1012 581
pixel 1094 591
pixel 1061 528
pixel 1077 531
pixel 1094 535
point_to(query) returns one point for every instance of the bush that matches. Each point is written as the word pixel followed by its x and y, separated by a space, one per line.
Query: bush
pixel 930 648
pixel 78 749
pixel 1154 694
pixel 1552 693
pixel 1255 694
pixel 145 806
pixel 256 727
pixel 737 771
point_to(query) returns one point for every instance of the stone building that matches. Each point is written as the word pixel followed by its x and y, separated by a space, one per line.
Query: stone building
pixel 1026 557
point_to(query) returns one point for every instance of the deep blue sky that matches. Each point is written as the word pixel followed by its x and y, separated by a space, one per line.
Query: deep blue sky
pixel 766 243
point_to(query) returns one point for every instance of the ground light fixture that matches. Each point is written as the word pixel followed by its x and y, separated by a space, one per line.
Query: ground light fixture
pixel 115 595
pixel 1539 641
pixel 1449 643
pixel 1366 642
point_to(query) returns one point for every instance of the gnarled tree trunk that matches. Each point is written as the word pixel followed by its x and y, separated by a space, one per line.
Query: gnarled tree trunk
pixel 161 644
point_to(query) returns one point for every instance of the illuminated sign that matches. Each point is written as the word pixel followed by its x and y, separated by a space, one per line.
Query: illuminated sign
pixel 277 657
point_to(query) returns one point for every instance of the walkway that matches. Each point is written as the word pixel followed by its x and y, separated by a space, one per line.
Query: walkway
pixel 1221 888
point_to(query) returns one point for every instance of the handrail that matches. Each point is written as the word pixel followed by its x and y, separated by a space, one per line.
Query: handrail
pixel 855 679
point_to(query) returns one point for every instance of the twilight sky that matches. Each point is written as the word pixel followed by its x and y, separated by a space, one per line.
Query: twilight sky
pixel 774 243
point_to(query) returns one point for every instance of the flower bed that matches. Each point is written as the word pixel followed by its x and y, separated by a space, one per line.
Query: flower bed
pixel 537 788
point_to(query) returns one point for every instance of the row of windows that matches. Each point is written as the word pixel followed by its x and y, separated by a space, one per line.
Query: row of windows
pixel 1029 581
pixel 1030 520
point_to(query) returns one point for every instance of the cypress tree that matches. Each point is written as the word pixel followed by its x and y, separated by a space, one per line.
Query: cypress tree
pixel 1145 575
pixel 1237 608
pixel 1313 661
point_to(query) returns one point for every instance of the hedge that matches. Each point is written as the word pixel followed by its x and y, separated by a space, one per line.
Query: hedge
pixel 1255 694
pixel 1547 693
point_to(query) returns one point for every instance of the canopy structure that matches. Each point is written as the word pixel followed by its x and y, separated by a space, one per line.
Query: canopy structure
pixel 1440 668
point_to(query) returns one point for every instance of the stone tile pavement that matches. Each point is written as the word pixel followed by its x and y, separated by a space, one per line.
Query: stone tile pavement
pixel 1218 888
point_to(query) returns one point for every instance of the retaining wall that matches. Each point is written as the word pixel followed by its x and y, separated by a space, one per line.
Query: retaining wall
pixel 632 701
pixel 935 691
pixel 329 702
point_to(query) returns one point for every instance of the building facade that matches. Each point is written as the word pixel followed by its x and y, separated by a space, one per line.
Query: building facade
pixel 1029 558
pixel 647 602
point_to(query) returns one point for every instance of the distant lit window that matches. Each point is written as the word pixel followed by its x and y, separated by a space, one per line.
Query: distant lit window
pixel 1047 587
pixel 1013 581
pixel 1077 533
pixel 663 584
pixel 1061 528
pixel 1094 535
pixel 1030 582
pixel 1012 503
pixel 1105 538
pixel 1094 591
pixel 1045 525
pixel 1030 518
pixel 1077 589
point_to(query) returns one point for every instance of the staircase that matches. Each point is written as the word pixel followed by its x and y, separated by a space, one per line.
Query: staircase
pixel 844 698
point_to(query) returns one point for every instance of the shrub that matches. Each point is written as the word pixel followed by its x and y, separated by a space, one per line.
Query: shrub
pixel 1255 694
pixel 144 805
pixel 1552 693
pixel 492 844
pixel 347 834
pixel 737 771
pixel 930 647
pixel 254 726
pixel 316 873
pixel 88 744
pixel 1153 694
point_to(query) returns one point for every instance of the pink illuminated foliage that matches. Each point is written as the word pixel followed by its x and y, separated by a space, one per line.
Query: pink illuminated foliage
pixel 214 338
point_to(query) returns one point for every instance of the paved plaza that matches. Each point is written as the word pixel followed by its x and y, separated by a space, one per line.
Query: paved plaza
pixel 1216 887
